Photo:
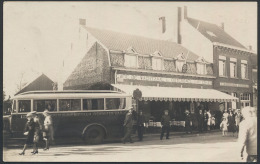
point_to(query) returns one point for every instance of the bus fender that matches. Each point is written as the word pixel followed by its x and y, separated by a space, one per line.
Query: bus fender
pixel 94 124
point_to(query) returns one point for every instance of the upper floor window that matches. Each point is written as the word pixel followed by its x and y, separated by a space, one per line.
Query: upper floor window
pixel 244 72
pixel 222 66
pixel 201 68
pixel 157 63
pixel 179 65
pixel 130 60
pixel 233 67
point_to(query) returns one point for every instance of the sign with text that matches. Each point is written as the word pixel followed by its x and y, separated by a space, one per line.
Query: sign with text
pixel 234 85
pixel 122 77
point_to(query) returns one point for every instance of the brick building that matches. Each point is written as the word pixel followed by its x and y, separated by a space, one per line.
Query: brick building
pixel 232 65
pixel 169 75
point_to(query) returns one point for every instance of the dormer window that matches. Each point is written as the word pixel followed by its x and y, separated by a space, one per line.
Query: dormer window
pixel 180 61
pixel 131 58
pixel 157 61
pixel 201 66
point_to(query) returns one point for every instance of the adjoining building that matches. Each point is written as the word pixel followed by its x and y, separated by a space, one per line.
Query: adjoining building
pixel 169 76
pixel 232 65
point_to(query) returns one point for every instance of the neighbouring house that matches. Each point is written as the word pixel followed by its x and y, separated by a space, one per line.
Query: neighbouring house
pixel 41 82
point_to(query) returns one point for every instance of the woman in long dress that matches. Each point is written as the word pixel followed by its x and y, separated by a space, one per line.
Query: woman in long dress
pixel 29 131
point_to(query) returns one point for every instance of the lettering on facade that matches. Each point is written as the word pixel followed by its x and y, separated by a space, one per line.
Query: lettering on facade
pixel 234 85
pixel 121 77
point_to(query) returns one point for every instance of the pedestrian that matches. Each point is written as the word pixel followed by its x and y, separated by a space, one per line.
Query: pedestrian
pixel 37 132
pixel 48 130
pixel 225 114
pixel 209 120
pixel 200 121
pixel 165 121
pixel 28 131
pixel 213 122
pixel 231 122
pixel 140 125
pixel 238 119
pixel 248 133
pixel 205 123
pixel 128 125
pixel 224 126
pixel 188 122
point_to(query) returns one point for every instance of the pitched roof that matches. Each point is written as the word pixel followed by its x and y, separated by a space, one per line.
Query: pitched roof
pixel 142 45
pixel 214 33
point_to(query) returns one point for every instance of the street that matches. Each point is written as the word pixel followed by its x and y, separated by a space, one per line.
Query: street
pixel 208 147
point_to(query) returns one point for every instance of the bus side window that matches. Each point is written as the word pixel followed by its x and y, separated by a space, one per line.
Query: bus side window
pixel 14 106
pixel 115 103
pixel 70 104
pixel 93 104
pixel 41 105
pixel 24 106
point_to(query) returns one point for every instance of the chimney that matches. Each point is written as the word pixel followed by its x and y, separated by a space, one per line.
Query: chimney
pixel 179 19
pixel 163 24
pixel 250 48
pixel 82 22
pixel 222 26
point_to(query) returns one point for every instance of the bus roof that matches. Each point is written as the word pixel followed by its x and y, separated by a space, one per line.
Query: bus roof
pixel 70 94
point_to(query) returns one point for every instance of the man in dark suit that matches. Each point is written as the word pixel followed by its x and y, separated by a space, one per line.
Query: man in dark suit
pixel 200 121
pixel 140 125
pixel 128 125
pixel 165 125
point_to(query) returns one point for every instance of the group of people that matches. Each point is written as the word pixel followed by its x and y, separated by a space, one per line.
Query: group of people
pixel 34 130
pixel 230 122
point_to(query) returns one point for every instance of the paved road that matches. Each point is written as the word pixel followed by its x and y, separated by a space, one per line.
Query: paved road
pixel 185 148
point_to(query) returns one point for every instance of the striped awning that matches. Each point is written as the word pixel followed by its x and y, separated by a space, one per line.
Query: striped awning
pixel 150 93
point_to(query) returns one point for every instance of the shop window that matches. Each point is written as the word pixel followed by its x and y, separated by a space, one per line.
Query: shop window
pixel 245 99
pixel 93 104
pixel 244 72
pixel 157 63
pixel 24 106
pixel 41 105
pixel 233 69
pixel 70 104
pixel 115 103
pixel 201 68
pixel 222 67
pixel 130 60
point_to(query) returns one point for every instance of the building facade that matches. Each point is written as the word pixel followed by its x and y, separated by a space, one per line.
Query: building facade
pixel 170 76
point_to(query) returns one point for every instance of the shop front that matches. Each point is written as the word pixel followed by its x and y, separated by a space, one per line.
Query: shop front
pixel 156 99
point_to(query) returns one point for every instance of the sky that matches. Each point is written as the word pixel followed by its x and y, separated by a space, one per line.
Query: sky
pixel 38 35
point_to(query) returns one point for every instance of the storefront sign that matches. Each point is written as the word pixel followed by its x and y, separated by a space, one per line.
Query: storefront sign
pixel 234 85
pixel 121 77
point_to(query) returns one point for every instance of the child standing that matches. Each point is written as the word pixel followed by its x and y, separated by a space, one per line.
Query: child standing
pixel 224 126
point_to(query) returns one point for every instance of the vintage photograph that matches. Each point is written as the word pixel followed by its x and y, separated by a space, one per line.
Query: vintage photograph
pixel 129 81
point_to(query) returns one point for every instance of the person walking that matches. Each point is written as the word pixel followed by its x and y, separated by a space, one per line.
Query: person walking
pixel 37 132
pixel 48 130
pixel 165 125
pixel 29 132
pixel 209 120
pixel 188 122
pixel 128 124
pixel 224 126
pixel 200 121
pixel 231 122
pixel 140 125
pixel 238 119
pixel 248 134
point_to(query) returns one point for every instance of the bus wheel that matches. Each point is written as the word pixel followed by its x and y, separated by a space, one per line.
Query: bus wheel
pixel 94 135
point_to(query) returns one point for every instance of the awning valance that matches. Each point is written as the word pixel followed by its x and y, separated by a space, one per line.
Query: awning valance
pixel 150 93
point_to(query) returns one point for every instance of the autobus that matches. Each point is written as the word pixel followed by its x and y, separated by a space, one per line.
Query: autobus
pixel 90 115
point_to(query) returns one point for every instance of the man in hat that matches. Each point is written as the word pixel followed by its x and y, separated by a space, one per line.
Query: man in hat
pixel 248 133
pixel 188 122
pixel 128 125
pixel 165 125
pixel 48 129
